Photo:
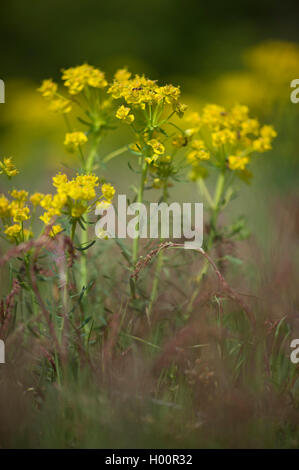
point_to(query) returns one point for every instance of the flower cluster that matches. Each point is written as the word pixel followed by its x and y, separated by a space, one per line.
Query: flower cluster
pixel 8 168
pixel 141 93
pixel 225 138
pixel 13 215
pixel 58 103
pixel 73 140
pixel 77 78
pixel 73 197
pixel 149 108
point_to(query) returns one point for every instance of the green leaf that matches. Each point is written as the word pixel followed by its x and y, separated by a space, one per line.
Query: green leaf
pixel 85 247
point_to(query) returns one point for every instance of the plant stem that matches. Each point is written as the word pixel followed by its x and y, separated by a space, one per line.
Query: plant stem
pixel 136 240
pixel 139 199
pixel 92 153
pixel 215 208
pixel 159 265
pixel 115 153
pixel 84 233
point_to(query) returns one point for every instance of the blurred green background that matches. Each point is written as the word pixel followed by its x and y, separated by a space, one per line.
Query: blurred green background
pixel 217 51
pixel 168 38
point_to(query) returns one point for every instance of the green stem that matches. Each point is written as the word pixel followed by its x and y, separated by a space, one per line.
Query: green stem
pixel 215 208
pixel 115 153
pixel 154 293
pixel 159 265
pixel 139 199
pixel 136 240
pixel 84 233
pixel 83 264
pixel 92 153
pixel 204 190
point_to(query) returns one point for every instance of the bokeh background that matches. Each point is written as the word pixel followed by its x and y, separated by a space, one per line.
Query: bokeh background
pixel 223 52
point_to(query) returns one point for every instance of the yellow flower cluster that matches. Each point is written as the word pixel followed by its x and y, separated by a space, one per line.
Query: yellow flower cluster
pixel 140 91
pixel 8 168
pixel 48 89
pixel 77 78
pixel 61 105
pixel 13 214
pixel 73 197
pixel 108 191
pixel 73 140
pixel 157 147
pixel 226 137
pixel 199 151
pixel 36 198
pixel 58 104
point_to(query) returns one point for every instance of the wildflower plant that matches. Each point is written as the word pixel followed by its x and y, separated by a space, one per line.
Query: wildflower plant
pixel 168 144
pixel 224 142
pixel 149 109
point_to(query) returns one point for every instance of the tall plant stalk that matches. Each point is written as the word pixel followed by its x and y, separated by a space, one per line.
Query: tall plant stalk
pixel 215 206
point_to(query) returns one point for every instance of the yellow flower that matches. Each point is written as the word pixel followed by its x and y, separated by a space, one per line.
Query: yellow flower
pixel 169 93
pixel 46 201
pixel 48 89
pixel 72 196
pixel 108 191
pixel 55 230
pixel 4 206
pixel 140 91
pixel 250 126
pixel 46 218
pixel 59 180
pixel 199 152
pixel 8 167
pixel 225 136
pixel 237 162
pixel 267 132
pixel 20 214
pixel 123 113
pixel 61 106
pixel 263 143
pixel 73 140
pixel 238 114
pixel 13 231
pixel 77 78
pixel 122 75
pixel 156 146
pixel 213 115
pixel 20 195
pixel 36 198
